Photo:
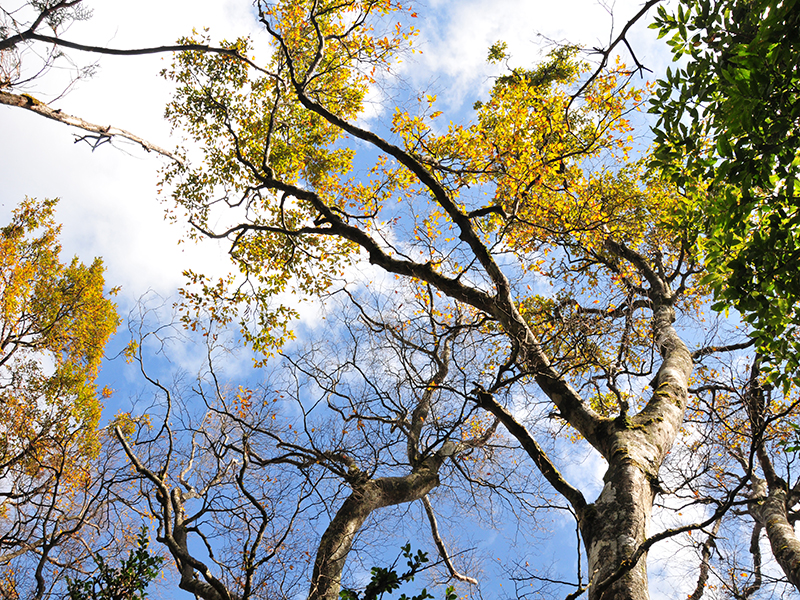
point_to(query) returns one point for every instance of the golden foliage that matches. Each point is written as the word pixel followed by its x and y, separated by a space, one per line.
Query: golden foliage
pixel 55 320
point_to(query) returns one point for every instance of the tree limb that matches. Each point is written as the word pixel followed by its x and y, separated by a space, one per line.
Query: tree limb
pixel 705 564
pixel 30 34
pixel 705 351
pixel 440 544
pixel 103 133
pixel 573 495
pixel 606 54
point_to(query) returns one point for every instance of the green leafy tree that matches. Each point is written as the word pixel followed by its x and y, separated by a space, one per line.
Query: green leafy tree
pixel 129 581
pixel 728 132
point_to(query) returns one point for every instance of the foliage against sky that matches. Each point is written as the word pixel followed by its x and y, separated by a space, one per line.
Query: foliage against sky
pixel 728 116
pixel 526 214
pixel 55 320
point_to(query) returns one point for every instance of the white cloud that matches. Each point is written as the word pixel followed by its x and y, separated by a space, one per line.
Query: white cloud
pixel 456 39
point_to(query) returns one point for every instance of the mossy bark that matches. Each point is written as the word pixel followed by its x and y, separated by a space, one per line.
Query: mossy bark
pixel 771 511
pixel 614 529
pixel 617 523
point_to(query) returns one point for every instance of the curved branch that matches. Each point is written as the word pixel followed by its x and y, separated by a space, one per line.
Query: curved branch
pixel 573 495
pixel 175 533
pixel 366 497
pixel 440 544
pixel 606 54
pixel 30 34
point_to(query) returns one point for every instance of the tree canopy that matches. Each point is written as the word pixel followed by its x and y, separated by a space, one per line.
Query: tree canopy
pixel 531 217
pixel 496 292
pixel 55 320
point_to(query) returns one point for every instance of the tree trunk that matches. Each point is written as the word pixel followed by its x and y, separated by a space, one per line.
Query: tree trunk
pixel 770 510
pixel 366 497
pixel 614 527
pixel 617 523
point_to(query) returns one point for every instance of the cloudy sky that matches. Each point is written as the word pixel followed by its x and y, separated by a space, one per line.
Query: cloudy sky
pixel 109 203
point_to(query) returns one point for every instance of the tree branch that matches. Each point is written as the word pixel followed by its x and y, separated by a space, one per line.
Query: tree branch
pixel 103 133
pixel 440 544
pixel 705 564
pixel 30 34
pixel 573 495
pixel 606 54
pixel 705 351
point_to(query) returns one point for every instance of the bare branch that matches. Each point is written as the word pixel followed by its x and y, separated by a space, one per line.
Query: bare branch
pixel 705 562
pixel 705 351
pixel 104 133
pixel 606 54
pixel 437 538
pixel 534 450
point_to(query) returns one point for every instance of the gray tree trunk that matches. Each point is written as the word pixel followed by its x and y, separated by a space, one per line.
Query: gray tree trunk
pixel 614 527
pixel 366 497
pixel 617 523
pixel 770 509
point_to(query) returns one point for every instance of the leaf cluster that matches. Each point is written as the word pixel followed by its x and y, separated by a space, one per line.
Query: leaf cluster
pixel 50 312
pixel 727 133
pixel 387 580
pixel 261 133
pixel 129 581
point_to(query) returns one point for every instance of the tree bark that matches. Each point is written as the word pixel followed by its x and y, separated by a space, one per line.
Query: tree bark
pixel 771 497
pixel 614 526
pixel 366 497
pixel 617 523
pixel 100 133
pixel 770 509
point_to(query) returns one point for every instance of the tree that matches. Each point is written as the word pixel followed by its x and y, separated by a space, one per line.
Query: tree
pixel 51 312
pixel 267 463
pixel 728 118
pixel 27 54
pixel 55 320
pixel 756 443
pixel 572 261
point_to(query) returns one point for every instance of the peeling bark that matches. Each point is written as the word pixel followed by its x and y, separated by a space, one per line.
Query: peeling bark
pixel 100 133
